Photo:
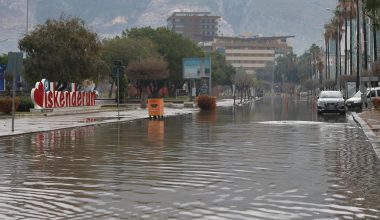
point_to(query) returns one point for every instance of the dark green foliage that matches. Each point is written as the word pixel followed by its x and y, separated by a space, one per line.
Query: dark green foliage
pixel 25 104
pixel 62 50
pixel 222 72
pixel 171 46
pixel 4 59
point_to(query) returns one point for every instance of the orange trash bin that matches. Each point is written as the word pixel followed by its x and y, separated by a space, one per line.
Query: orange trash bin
pixel 156 107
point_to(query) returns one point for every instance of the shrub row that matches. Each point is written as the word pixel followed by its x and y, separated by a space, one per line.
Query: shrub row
pixel 6 104
pixel 22 104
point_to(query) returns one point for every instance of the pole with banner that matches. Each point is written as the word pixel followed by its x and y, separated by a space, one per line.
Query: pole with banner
pixel 14 68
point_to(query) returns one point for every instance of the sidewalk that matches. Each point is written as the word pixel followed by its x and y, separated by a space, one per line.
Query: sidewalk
pixel 30 123
pixel 369 120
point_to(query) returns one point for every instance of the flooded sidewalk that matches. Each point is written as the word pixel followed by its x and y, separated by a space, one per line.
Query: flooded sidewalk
pixel 369 120
pixel 39 123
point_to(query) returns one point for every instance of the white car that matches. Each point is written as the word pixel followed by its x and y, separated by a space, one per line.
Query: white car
pixel 331 102
pixel 355 101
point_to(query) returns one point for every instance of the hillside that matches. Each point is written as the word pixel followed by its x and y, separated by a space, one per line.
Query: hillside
pixel 302 18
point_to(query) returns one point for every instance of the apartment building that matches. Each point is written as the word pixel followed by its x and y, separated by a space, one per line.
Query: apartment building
pixel 198 26
pixel 252 53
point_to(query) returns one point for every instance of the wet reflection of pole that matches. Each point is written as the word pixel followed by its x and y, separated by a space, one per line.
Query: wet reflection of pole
pixel 286 107
pixel 272 103
pixel 313 109
pixel 118 134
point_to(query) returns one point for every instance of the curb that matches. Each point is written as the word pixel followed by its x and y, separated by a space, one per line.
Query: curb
pixel 371 136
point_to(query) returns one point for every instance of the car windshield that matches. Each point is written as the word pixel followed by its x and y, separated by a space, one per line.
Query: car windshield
pixel 331 94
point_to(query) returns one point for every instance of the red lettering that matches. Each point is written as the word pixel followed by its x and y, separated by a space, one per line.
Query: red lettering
pixel 55 99
pixel 88 99
pixel 73 99
pixel 79 99
pixel 67 98
pixel 62 99
pixel 49 97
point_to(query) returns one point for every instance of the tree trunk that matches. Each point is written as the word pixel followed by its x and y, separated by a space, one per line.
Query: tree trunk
pixel 374 43
pixel 345 41
pixel 351 39
pixel 357 44
pixel 326 58
pixel 143 96
pixel 336 60
pixel 365 41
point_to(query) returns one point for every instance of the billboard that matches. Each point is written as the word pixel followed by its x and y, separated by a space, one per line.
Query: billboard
pixel 196 68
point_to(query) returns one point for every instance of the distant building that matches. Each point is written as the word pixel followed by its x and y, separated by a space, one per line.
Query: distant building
pixel 198 26
pixel 252 53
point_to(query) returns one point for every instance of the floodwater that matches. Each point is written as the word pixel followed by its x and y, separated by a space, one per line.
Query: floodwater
pixel 272 159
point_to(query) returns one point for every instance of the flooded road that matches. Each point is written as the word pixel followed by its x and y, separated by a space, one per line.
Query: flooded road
pixel 272 159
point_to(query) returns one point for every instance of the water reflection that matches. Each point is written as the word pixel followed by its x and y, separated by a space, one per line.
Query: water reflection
pixel 256 161
pixel 156 132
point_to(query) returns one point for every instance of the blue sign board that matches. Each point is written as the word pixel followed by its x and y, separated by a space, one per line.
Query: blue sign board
pixel 196 68
pixel 2 72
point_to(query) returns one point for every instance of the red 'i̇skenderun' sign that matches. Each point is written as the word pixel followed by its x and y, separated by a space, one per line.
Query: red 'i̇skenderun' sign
pixel 44 96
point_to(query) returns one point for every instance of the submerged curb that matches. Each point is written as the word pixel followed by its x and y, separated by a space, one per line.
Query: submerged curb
pixel 373 139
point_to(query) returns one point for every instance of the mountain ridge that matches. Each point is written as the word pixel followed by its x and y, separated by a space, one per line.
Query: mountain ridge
pixel 302 18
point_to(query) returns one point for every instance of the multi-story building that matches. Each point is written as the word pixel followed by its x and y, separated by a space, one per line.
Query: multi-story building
pixel 252 53
pixel 198 26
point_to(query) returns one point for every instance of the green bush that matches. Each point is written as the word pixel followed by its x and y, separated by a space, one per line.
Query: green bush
pixel 25 104
pixel 6 104
pixel 206 102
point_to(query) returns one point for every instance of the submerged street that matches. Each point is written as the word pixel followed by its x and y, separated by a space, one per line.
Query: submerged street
pixel 274 158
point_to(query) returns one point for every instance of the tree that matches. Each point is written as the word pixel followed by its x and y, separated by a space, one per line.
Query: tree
pixel 222 72
pixel 334 33
pixel 172 47
pixel 4 59
pixel 243 82
pixel 62 50
pixel 147 74
pixel 372 9
pixel 125 50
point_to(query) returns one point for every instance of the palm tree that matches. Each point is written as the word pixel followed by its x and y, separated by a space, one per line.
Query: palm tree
pixel 335 26
pixel 345 7
pixel 315 52
pixel 329 32
pixel 372 10
pixel 327 35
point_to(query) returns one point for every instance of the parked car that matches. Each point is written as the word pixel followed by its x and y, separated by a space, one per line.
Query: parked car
pixel 331 102
pixel 355 101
